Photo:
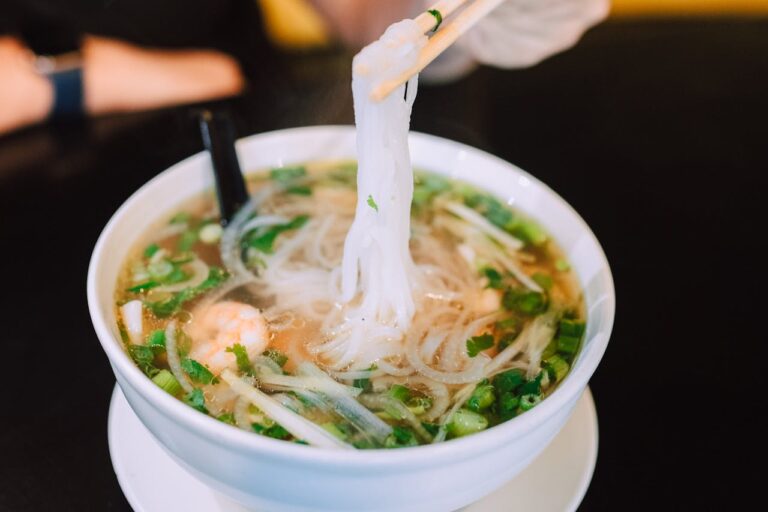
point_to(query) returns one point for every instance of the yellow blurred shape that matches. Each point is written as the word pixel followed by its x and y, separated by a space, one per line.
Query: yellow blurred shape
pixel 293 23
pixel 296 24
pixel 709 7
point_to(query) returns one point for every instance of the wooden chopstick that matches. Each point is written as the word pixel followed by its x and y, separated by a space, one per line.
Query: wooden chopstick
pixel 438 43
pixel 431 19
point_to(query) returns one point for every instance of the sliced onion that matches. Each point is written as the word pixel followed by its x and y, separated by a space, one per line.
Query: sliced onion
pixel 298 426
pixel 472 374
pixel 131 312
pixel 173 357
pixel 200 273
pixel 484 225
pixel 387 402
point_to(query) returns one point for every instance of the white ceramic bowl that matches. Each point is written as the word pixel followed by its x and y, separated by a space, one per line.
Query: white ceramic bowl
pixel 271 475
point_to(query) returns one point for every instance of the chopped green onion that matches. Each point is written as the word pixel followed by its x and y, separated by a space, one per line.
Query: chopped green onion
pixel 495 279
pixel 399 392
pixel 562 266
pixel 527 302
pixel 186 241
pixel 144 357
pixel 143 287
pixel 177 275
pixel 196 400
pixel 557 367
pixel 543 280
pixel 211 233
pixel 465 422
pixel 419 405
pixel 334 430
pixel 265 239
pixel 400 437
pixel 572 328
pixel 509 380
pixel 151 250
pixel 567 344
pixel 372 203
pixel 533 386
pixel 432 428
pixel 550 349
pixel 299 190
pixel 227 418
pixel 286 174
pixel 438 17
pixel 276 432
pixel 180 218
pixel 507 405
pixel 482 398
pixel 241 357
pixel 528 231
pixel 477 344
pixel 156 340
pixel 529 401
pixel 167 382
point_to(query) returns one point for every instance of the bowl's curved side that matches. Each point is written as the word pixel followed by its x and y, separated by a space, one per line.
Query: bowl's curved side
pixel 235 461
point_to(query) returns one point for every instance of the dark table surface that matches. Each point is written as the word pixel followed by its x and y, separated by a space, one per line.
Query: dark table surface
pixel 655 131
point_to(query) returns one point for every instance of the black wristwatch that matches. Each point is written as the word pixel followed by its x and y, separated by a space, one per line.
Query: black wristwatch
pixel 65 72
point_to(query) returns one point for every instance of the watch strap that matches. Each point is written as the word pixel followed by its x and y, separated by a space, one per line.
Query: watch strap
pixel 67 93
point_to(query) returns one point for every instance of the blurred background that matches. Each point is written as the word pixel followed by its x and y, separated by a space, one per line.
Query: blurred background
pixel 652 126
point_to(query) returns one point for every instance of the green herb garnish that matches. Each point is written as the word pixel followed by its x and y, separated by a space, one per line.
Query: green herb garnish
pixel 196 400
pixel 286 174
pixel 197 372
pixel 277 356
pixel 372 203
pixel 241 356
pixel 477 344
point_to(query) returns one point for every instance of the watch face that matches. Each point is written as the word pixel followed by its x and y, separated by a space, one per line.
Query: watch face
pixel 47 64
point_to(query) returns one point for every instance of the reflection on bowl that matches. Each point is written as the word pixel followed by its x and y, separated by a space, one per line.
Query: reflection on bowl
pixel 272 475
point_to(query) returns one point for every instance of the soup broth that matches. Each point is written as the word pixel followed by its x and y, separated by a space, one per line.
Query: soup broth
pixel 247 324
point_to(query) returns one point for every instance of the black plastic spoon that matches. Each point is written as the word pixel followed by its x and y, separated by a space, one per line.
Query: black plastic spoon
pixel 218 132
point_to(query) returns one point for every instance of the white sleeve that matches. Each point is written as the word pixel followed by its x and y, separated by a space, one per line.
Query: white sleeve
pixel 522 33
pixel 519 33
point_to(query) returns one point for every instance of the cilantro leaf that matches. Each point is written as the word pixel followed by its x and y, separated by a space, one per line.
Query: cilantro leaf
pixel 372 203
pixel 264 240
pixel 197 372
pixel 196 400
pixel 477 344
pixel 144 357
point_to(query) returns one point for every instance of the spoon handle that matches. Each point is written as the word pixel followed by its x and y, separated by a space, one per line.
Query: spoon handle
pixel 218 132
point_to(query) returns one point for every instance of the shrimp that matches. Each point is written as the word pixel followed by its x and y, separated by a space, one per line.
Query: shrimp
pixel 222 325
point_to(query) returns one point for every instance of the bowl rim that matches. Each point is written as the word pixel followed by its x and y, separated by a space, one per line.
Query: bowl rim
pixel 247 443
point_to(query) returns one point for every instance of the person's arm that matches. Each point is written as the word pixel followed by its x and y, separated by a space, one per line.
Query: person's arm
pixel 117 76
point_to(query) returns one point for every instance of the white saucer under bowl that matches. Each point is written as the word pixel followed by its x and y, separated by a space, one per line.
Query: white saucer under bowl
pixel 153 482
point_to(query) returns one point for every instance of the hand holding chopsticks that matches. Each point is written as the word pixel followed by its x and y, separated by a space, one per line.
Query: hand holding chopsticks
pixel 444 36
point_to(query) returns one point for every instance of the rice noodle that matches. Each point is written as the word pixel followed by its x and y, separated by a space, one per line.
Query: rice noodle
pixel 240 412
